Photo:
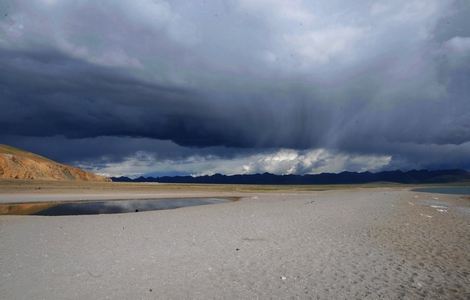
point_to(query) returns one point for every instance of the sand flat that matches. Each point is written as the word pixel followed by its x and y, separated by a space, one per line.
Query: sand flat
pixel 357 243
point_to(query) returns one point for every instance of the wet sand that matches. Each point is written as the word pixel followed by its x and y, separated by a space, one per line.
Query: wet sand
pixel 375 243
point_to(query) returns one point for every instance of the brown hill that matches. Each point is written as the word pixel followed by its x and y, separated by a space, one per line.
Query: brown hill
pixel 19 164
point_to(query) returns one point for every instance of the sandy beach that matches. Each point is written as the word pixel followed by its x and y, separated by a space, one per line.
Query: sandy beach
pixel 352 243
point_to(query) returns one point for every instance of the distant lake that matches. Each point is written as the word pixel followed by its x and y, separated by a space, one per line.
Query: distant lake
pixel 451 190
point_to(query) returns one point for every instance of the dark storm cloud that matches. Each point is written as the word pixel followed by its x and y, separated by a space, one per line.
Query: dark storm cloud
pixel 46 93
pixel 235 78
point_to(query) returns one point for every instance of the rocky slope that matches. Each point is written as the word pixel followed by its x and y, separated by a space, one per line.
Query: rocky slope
pixel 19 164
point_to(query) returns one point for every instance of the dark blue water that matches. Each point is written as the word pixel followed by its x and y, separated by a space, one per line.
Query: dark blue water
pixel 123 206
pixel 452 190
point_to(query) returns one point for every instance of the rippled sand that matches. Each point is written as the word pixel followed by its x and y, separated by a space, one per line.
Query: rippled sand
pixel 359 243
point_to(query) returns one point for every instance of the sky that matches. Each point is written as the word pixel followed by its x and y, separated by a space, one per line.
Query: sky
pixel 155 87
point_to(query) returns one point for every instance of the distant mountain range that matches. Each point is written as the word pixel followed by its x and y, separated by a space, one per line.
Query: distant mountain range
pixel 414 176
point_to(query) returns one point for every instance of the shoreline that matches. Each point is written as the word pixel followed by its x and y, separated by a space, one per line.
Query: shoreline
pixel 357 243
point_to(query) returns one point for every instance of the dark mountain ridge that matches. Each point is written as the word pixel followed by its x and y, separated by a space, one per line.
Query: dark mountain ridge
pixel 397 176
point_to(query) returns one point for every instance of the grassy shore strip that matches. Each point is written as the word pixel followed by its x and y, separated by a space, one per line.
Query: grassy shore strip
pixel 8 186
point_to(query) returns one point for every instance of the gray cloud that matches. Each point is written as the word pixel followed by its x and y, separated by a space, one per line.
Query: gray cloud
pixel 284 161
pixel 231 79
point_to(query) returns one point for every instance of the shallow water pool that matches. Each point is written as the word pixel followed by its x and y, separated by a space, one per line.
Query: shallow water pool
pixel 102 207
